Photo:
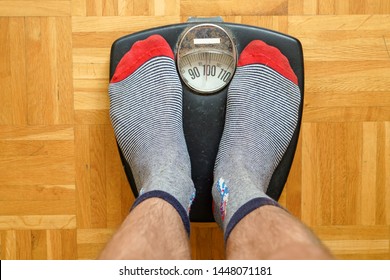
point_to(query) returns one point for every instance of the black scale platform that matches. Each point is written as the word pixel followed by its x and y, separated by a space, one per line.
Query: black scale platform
pixel 204 115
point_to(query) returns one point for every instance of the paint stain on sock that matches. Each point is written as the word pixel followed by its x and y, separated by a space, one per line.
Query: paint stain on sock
pixel 224 197
pixel 192 197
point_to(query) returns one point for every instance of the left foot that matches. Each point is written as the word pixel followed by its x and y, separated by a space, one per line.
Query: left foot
pixel 146 114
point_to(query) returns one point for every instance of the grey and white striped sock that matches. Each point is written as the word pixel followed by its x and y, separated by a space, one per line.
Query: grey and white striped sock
pixel 146 114
pixel 262 113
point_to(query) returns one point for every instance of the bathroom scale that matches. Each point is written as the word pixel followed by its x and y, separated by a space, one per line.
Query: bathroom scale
pixel 206 52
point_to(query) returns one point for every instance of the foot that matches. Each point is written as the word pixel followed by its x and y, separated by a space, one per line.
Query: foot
pixel 146 114
pixel 261 116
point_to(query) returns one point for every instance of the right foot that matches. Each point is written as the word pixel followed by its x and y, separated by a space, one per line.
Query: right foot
pixel 261 116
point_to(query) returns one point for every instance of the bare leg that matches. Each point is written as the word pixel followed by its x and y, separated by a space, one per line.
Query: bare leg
pixel 152 230
pixel 270 232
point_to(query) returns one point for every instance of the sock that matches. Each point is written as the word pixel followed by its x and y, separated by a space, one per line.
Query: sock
pixel 261 116
pixel 146 114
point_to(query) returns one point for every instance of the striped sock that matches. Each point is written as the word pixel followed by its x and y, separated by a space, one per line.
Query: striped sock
pixel 146 114
pixel 261 116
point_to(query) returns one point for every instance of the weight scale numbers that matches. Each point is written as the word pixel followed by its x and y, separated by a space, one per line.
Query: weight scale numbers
pixel 208 71
pixel 206 58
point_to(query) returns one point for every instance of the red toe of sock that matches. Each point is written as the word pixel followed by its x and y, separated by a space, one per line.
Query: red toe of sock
pixel 258 52
pixel 139 53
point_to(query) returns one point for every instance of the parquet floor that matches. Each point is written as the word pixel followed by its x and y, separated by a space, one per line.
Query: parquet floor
pixel 62 189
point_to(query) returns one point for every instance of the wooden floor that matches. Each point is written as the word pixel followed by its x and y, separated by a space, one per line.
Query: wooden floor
pixel 62 190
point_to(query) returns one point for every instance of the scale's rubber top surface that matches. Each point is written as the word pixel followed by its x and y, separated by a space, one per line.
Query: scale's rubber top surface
pixel 204 115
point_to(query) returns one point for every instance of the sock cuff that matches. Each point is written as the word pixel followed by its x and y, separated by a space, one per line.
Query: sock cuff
pixel 258 52
pixel 141 52
pixel 171 200
pixel 247 208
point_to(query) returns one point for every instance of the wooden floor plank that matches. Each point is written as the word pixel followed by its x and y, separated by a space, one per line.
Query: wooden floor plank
pixel 38 222
pixel 49 74
pixel 13 105
pixel 35 8
pixel 333 7
pixel 113 24
pixel 228 7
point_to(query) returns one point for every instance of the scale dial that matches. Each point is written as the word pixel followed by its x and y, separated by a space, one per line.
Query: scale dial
pixel 206 58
